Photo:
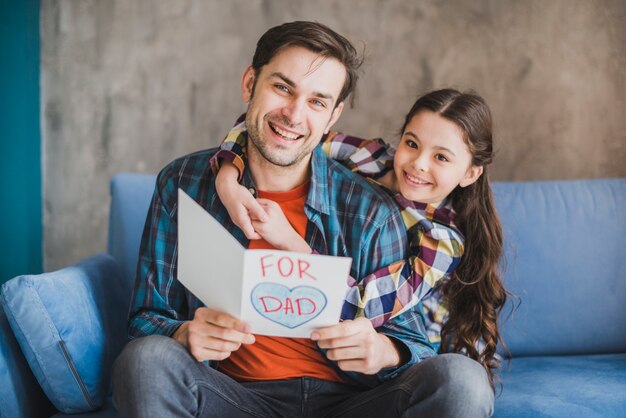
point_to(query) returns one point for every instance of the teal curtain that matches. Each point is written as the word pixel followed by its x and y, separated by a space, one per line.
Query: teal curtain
pixel 21 244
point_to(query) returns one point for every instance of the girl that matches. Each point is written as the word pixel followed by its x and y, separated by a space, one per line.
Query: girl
pixel 438 177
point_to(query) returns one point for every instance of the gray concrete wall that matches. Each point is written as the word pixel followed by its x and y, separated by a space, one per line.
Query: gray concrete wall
pixel 128 85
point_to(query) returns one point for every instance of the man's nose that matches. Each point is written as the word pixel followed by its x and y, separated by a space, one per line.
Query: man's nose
pixel 294 111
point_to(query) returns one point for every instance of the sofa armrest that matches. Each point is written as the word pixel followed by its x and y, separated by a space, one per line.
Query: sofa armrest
pixel 70 325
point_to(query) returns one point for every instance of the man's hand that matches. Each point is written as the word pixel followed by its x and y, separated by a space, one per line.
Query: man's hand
pixel 238 201
pixel 213 335
pixel 277 230
pixel 357 347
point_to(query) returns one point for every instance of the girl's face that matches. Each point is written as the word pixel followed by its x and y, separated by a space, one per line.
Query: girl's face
pixel 432 159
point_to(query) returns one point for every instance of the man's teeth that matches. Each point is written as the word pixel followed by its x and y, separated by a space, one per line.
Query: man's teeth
pixel 415 179
pixel 285 134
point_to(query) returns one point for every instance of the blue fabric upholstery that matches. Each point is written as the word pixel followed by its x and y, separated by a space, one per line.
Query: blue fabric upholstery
pixel 130 197
pixel 565 244
pixel 591 386
pixel 20 394
pixel 107 411
pixel 70 325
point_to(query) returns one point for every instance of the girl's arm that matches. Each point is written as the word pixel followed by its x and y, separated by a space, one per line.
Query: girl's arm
pixel 361 155
pixel 258 218
pixel 364 156
pixel 277 230
pixel 242 207
pixel 232 149
pixel 228 164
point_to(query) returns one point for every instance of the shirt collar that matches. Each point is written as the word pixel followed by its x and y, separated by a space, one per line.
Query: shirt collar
pixel 442 212
pixel 318 198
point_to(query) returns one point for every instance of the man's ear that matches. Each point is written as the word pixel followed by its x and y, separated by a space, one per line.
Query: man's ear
pixel 472 174
pixel 247 84
pixel 333 118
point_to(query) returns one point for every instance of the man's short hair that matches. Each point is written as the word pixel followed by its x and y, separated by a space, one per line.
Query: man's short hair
pixel 315 37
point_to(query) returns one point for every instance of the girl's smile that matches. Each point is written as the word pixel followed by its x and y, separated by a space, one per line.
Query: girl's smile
pixel 415 180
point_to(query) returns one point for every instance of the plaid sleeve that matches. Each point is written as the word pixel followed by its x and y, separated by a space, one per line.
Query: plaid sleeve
pixel 158 304
pixel 364 156
pixel 392 290
pixel 232 149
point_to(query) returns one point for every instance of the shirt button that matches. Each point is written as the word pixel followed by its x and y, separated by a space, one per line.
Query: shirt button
pixel 252 191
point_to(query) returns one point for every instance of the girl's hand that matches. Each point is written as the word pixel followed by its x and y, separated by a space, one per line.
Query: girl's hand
pixel 277 230
pixel 238 201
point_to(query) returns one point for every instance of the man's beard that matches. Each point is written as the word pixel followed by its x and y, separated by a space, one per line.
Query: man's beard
pixel 274 155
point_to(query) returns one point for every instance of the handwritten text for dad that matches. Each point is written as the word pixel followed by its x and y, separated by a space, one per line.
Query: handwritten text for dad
pixel 290 306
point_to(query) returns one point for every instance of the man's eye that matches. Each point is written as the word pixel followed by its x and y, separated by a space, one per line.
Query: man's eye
pixel 318 103
pixel 441 157
pixel 282 88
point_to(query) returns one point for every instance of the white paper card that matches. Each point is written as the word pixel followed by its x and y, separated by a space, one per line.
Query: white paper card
pixel 279 293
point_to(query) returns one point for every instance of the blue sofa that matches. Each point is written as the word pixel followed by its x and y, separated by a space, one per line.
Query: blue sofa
pixel 565 263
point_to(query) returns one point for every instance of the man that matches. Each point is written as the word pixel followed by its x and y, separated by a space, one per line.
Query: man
pixel 300 77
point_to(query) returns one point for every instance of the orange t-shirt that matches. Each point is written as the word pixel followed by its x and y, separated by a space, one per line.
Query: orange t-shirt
pixel 273 358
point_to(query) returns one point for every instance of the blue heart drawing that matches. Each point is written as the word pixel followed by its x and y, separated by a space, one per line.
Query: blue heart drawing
pixel 287 307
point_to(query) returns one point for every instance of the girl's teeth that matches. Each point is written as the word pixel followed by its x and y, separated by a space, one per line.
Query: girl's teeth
pixel 415 179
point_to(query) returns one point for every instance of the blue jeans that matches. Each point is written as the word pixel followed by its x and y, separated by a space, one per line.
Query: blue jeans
pixel 157 377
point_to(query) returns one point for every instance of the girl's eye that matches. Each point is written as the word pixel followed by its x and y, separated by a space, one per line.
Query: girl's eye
pixel 441 157
pixel 410 143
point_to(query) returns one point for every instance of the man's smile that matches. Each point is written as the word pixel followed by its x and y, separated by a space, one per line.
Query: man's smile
pixel 289 135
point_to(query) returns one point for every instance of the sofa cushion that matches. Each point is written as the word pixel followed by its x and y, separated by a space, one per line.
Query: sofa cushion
pixel 592 386
pixel 70 325
pixel 564 245
pixel 20 394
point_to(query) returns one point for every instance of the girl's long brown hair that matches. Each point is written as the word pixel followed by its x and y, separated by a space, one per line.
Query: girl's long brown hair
pixel 474 295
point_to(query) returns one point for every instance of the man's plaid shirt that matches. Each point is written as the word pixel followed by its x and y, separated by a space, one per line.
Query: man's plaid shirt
pixel 347 217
